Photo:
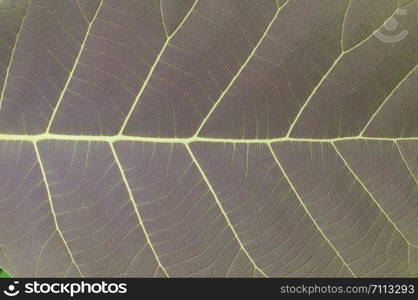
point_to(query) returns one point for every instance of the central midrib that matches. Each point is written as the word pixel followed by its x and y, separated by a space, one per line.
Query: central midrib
pixel 174 140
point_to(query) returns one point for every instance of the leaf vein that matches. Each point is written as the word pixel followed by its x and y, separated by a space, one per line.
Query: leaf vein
pixel 54 215
pixel 12 56
pixel 215 196
pixel 332 67
pixel 132 199
pixel 307 210
pixel 231 83
pixel 153 67
pixel 70 76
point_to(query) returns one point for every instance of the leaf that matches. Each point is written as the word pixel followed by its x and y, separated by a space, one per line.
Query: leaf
pixel 153 138
pixel 3 274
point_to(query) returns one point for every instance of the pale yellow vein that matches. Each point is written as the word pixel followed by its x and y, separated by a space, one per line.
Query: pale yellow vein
pixel 54 215
pixel 115 138
pixel 219 204
pixel 343 25
pixel 6 78
pixel 347 165
pixel 162 18
pixel 70 76
pixel 319 84
pixel 153 67
pixel 405 162
pixel 386 99
pixel 231 83
pixel 132 200
pixel 307 210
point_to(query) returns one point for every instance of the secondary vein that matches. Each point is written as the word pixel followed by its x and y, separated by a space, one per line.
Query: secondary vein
pixel 12 56
pixel 386 99
pixel 231 83
pixel 132 200
pixel 307 210
pixel 70 76
pixel 218 202
pixel 54 215
pixel 332 67
pixel 347 165
pixel 154 66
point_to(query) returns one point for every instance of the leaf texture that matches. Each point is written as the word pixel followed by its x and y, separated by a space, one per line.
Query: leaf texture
pixel 209 138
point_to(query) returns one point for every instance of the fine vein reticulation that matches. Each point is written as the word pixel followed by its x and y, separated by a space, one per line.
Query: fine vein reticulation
pixel 252 253
pixel 53 210
pixel 13 54
pixel 343 53
pixel 70 76
pixel 131 197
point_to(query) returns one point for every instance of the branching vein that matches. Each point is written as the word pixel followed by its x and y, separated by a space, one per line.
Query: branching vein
pixel 70 76
pixel 54 215
pixel 386 99
pixel 218 202
pixel 308 212
pixel 406 164
pixel 372 197
pixel 13 55
pixel 115 138
pixel 132 199
pixel 154 66
pixel 47 135
pixel 319 84
pixel 231 83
